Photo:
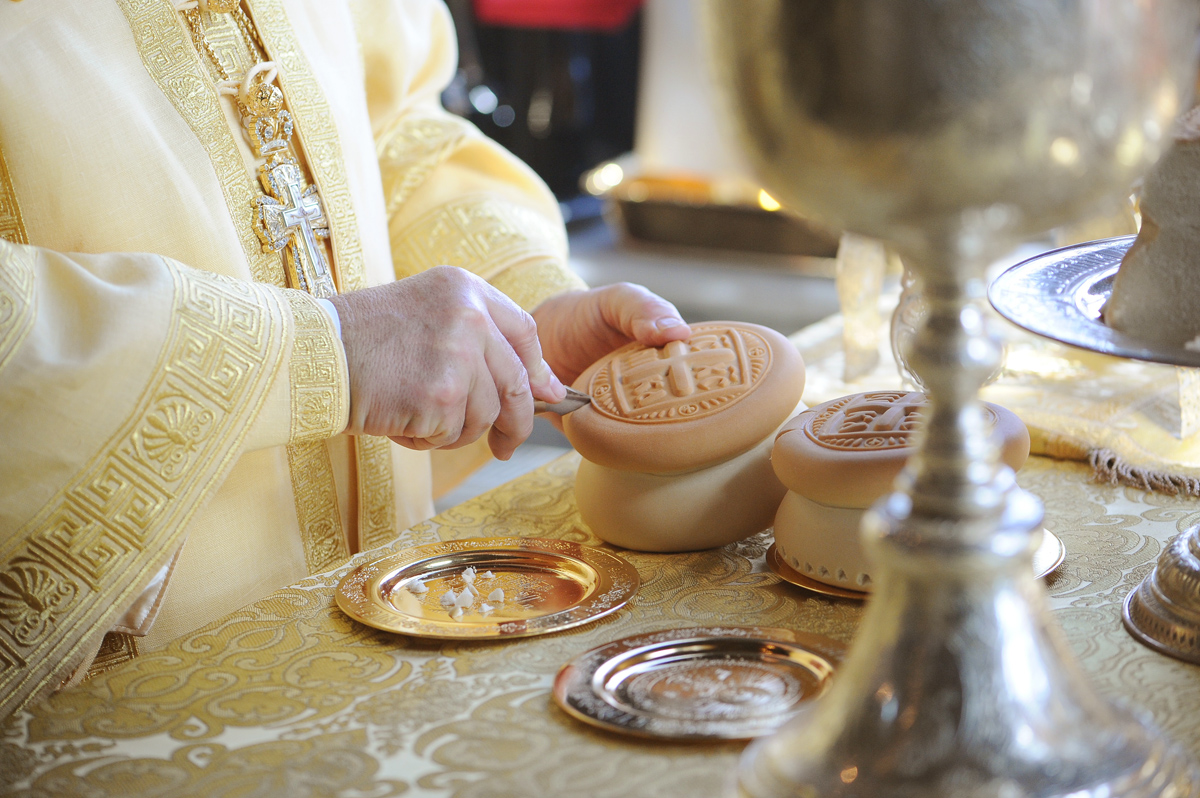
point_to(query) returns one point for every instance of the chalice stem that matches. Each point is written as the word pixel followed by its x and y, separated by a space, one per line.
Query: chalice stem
pixel 959 682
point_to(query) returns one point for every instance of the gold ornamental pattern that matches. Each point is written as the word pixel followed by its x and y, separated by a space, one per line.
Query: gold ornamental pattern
pixel 287 679
pixel 478 233
pixel 715 368
pixel 376 491
pixel 12 224
pixel 320 402
pixel 174 64
pixel 318 138
pixel 70 571
pixel 412 149
pixel 17 305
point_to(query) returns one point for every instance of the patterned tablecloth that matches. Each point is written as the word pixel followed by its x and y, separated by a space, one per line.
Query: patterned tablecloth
pixel 290 697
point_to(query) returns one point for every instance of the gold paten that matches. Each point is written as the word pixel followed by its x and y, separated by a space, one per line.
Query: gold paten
pixel 703 683
pixel 548 585
pixel 1049 555
pixel 952 130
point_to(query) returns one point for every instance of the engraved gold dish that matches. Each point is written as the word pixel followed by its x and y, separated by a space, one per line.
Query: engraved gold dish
pixel 1047 557
pixel 547 585
pixel 704 683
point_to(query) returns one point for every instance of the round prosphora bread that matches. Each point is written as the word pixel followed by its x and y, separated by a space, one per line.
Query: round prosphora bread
pixel 838 458
pixel 1156 293
pixel 677 440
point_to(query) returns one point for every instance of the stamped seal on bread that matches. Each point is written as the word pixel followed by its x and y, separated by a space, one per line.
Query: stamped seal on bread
pixel 688 404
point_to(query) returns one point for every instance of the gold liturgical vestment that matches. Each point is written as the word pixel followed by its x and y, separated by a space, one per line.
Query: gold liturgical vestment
pixel 170 409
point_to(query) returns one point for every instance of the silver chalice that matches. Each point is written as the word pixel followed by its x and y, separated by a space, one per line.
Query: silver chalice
pixel 951 128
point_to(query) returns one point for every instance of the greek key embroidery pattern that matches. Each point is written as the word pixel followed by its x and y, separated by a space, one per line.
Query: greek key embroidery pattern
pixel 317 510
pixel 71 570
pixel 376 492
pixel 412 150
pixel 478 233
pixel 16 298
pixel 12 225
pixel 319 403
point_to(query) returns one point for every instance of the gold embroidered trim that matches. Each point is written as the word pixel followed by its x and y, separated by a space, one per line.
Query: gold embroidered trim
pixel 117 648
pixel 12 224
pixel 376 492
pixel 531 283
pixel 480 233
pixel 317 510
pixel 318 138
pixel 412 150
pixel 71 571
pixel 320 404
pixel 173 63
pixel 17 307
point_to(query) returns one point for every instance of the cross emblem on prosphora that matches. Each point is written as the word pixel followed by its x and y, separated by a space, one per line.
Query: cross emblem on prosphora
pixel 677 362
pixel 870 414
pixel 292 220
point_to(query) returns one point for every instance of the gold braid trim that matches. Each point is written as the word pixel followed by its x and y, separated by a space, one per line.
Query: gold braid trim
pixel 319 408
pixel 174 64
pixel 318 138
pixel 479 233
pixel 68 574
pixel 17 306
pixel 412 149
pixel 315 492
pixel 376 492
pixel 117 648
pixel 320 401
pixel 12 224
pixel 530 283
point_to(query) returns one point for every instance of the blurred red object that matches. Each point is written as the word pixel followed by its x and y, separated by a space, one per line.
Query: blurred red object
pixel 597 15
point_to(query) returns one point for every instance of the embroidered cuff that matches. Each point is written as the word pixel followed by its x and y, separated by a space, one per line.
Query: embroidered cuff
pixel 319 382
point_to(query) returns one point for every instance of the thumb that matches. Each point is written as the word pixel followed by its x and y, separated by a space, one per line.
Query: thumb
pixel 643 315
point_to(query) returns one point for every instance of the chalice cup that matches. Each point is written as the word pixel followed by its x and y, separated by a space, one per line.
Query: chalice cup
pixel 952 129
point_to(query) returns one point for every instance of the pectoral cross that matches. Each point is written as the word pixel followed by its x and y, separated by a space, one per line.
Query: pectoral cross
pixel 292 220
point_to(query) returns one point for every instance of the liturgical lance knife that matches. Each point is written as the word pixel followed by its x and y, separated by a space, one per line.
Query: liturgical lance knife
pixel 573 401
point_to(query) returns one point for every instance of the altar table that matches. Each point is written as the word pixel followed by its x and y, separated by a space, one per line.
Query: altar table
pixel 290 697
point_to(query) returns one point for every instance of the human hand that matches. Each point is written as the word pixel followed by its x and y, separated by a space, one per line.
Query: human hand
pixel 437 358
pixel 577 328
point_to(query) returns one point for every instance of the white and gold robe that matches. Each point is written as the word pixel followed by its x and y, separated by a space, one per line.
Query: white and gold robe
pixel 159 387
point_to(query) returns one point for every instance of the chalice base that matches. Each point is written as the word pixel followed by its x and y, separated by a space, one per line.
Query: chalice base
pixel 960 684
pixel 1163 612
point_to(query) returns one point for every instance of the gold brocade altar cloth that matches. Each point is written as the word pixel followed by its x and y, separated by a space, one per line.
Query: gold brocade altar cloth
pixel 288 696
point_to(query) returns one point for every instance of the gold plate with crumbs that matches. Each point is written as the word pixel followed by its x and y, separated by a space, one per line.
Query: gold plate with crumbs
pixel 543 586
pixel 1049 554
pixel 703 683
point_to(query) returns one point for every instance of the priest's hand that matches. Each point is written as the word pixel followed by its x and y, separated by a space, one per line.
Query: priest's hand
pixel 577 328
pixel 437 358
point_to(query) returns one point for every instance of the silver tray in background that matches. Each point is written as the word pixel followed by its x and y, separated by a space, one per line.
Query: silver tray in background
pixel 704 683
pixel 1059 294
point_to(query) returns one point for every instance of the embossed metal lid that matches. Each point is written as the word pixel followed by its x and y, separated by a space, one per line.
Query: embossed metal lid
pixel 848 451
pixel 688 404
